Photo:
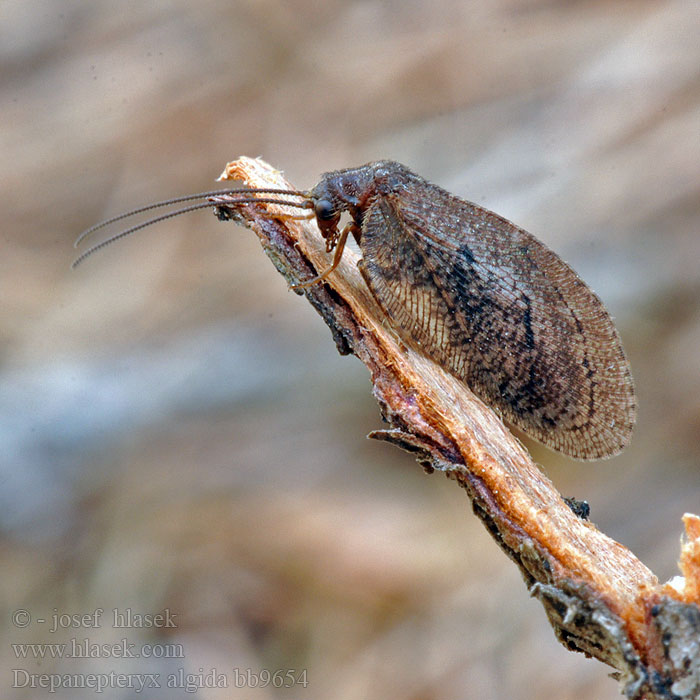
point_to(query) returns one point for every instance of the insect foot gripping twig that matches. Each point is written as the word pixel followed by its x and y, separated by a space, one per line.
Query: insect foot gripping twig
pixel 599 598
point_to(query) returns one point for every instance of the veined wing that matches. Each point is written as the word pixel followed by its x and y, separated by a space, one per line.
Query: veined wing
pixel 496 308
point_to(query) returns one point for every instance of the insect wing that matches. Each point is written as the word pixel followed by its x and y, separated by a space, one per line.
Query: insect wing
pixel 496 308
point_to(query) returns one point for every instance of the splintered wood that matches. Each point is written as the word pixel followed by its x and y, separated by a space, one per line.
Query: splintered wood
pixel 598 596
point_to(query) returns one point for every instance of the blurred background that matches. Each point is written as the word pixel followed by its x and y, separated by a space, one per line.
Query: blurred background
pixel 177 431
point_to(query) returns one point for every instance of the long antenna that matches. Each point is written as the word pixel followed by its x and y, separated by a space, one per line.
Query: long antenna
pixel 305 204
pixel 177 200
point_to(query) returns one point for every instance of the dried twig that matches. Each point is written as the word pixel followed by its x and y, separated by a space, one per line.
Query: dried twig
pixel 599 598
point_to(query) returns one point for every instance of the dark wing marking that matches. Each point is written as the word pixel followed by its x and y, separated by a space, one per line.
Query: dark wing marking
pixel 499 310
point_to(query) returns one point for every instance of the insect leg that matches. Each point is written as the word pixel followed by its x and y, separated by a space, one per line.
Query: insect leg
pixel 340 246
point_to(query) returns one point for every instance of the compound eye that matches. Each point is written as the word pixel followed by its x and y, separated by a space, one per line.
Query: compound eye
pixel 324 210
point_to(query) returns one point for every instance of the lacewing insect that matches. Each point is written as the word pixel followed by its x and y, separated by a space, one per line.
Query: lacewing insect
pixel 478 295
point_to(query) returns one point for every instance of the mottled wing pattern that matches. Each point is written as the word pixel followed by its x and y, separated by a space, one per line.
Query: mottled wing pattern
pixel 499 310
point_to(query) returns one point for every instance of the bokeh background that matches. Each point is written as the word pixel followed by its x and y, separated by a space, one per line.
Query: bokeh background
pixel 176 429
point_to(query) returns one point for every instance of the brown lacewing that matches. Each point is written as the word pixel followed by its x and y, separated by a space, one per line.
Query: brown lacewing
pixel 480 296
